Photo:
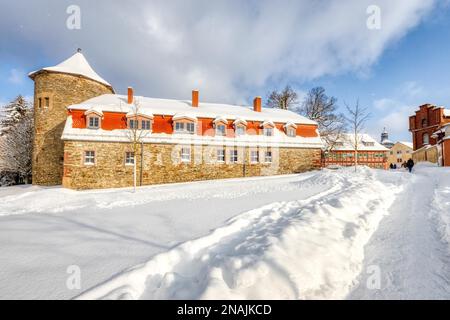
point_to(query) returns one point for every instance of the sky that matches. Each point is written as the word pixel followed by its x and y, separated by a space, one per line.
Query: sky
pixel 233 51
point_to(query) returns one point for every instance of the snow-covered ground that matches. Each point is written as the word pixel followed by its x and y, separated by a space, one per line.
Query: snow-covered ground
pixel 313 235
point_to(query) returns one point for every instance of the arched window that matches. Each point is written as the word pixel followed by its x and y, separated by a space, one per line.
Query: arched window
pixel 426 138
pixel 424 122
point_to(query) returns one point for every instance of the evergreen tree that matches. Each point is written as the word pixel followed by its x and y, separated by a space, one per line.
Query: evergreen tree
pixel 16 141
pixel 13 113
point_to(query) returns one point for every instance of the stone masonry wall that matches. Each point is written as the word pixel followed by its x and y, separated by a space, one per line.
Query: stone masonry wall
pixel 430 155
pixel 62 90
pixel 162 164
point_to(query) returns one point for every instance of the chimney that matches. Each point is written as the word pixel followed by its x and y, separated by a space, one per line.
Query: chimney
pixel 195 94
pixel 130 95
pixel 257 104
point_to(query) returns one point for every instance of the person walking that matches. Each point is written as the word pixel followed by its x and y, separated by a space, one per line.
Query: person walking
pixel 410 165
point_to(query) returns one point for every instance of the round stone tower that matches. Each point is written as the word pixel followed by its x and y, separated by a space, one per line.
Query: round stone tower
pixel 55 88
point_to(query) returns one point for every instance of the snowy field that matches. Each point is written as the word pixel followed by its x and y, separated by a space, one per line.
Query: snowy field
pixel 317 235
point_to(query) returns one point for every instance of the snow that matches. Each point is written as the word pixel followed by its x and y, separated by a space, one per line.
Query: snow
pixel 118 103
pixel 407 143
pixel 78 65
pixel 280 139
pixel 312 235
pixel 348 140
pixel 412 245
pixel 447 112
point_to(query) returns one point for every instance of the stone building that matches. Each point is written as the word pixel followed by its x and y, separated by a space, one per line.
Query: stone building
pixel 73 81
pixel 429 129
pixel 369 152
pixel 85 135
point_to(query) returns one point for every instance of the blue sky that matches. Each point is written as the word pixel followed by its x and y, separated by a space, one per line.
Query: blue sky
pixel 233 51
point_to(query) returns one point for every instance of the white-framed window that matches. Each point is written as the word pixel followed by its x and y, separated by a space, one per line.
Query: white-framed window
pixel 179 127
pixel 268 131
pixel 133 124
pixel 186 154
pixel 89 158
pixel 93 122
pixel 234 156
pixel 129 158
pixel 146 125
pixel 240 131
pixel 268 157
pixel 220 155
pixel 254 156
pixel 291 132
pixel 221 130
pixel 185 127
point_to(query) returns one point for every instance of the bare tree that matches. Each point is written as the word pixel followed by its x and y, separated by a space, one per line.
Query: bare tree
pixel 286 99
pixel 135 134
pixel 318 107
pixel 356 119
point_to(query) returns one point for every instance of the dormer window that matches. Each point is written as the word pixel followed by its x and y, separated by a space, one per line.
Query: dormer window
pixel 221 130
pixel 240 127
pixel 146 125
pixel 240 131
pixel 133 124
pixel 368 144
pixel 290 129
pixel 139 121
pixel 185 127
pixel 93 122
pixel 291 132
pixel 268 131
pixel 268 128
pixel 93 118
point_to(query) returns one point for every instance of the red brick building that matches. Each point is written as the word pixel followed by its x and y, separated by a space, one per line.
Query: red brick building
pixel 429 129
pixel 370 153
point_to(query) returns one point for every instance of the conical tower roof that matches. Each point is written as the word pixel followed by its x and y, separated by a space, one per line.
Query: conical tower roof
pixel 76 64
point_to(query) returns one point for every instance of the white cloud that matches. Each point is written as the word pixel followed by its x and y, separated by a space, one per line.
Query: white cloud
pixel 16 76
pixel 230 50
pixel 412 90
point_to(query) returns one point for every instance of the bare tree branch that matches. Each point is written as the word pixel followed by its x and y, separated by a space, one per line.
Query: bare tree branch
pixel 318 107
pixel 356 118
pixel 286 99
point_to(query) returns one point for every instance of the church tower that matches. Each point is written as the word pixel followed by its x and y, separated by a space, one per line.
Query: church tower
pixel 385 139
pixel 55 88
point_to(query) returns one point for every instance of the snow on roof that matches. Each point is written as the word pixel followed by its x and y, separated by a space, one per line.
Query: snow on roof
pixel 76 64
pixel 407 143
pixel 447 112
pixel 280 139
pixel 240 121
pixel 365 143
pixel 290 124
pixel 118 103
